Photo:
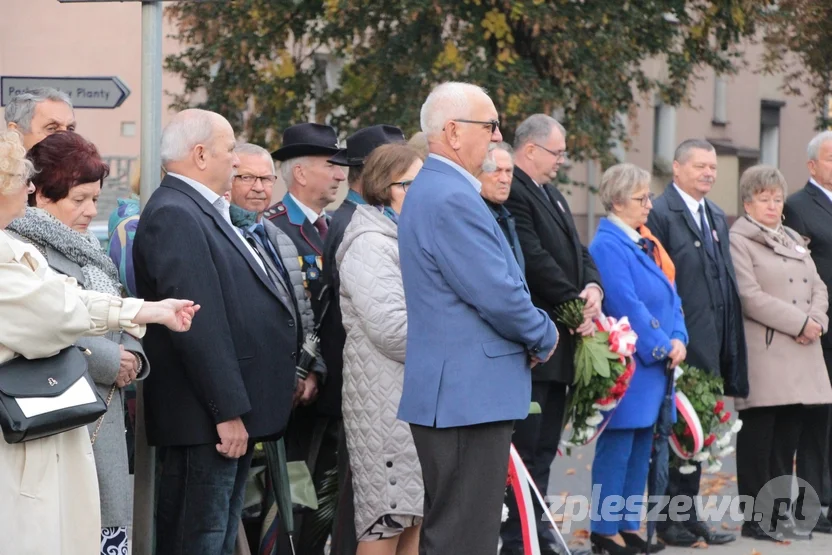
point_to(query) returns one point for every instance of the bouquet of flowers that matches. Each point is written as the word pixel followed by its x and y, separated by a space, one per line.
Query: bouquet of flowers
pixel 703 429
pixel 604 366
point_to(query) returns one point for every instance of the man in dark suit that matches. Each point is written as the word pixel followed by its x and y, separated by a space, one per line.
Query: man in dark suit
pixel 694 232
pixel 472 331
pixel 312 184
pixel 809 212
pixel 496 176
pixel 558 269
pixel 230 380
pixel 333 337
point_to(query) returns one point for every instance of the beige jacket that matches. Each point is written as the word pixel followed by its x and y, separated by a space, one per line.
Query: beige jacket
pixel 48 487
pixel 780 288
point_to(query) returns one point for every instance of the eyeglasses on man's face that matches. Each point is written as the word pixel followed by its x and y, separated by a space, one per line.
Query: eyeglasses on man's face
pixel 645 200
pixel 248 179
pixel 559 154
pixel 494 123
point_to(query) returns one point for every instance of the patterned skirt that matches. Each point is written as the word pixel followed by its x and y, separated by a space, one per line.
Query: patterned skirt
pixel 389 526
pixel 114 541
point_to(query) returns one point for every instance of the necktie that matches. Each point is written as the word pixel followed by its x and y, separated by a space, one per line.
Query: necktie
pixel 258 235
pixel 322 227
pixel 706 231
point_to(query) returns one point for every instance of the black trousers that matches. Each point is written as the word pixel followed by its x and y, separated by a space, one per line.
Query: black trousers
pixel 464 471
pixel 772 436
pixel 826 493
pixel 536 439
pixel 344 541
pixel 313 438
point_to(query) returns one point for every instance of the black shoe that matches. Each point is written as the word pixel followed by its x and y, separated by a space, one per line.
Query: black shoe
pixel 792 531
pixel 708 535
pixel 677 536
pixel 755 532
pixel 602 544
pixel 823 526
pixel 634 540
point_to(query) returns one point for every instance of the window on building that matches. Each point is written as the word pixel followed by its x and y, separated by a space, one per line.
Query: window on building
pixel 720 100
pixel 770 132
pixel 664 138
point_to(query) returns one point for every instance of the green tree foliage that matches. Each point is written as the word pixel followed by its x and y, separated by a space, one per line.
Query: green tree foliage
pixel 253 60
pixel 798 39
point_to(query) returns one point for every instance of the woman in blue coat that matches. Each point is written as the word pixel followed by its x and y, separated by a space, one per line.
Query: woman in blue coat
pixel 638 280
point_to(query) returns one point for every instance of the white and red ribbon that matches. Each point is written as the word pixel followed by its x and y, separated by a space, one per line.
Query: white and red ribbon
pixel 525 493
pixel 685 410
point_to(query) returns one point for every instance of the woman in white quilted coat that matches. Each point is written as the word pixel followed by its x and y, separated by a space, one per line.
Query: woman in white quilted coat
pixel 386 475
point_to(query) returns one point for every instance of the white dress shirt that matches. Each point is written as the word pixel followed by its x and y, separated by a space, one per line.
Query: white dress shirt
pixel 221 206
pixel 826 191
pixel 308 212
pixel 693 205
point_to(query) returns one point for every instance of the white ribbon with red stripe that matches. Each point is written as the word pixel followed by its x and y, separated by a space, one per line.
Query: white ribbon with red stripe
pixel 688 414
pixel 523 486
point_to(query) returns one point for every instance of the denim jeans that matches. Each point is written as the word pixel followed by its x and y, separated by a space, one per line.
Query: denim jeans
pixel 200 500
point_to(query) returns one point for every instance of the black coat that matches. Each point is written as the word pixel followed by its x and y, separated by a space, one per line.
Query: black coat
pixel 558 266
pixel 333 336
pixel 238 359
pixel 673 225
pixel 809 212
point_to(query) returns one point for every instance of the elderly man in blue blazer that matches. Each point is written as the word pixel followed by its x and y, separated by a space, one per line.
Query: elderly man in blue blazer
pixel 473 332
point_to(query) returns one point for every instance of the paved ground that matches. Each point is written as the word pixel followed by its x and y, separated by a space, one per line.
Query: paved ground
pixel 571 476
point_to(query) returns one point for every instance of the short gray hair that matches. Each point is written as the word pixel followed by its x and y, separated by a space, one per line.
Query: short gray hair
pixel 490 165
pixel 184 132
pixel 15 169
pixel 760 178
pixel 287 169
pixel 445 102
pixel 536 128
pixel 619 183
pixel 684 149
pixel 817 141
pixel 252 149
pixel 21 108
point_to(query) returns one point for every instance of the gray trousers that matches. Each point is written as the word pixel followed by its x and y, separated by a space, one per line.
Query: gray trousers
pixel 464 471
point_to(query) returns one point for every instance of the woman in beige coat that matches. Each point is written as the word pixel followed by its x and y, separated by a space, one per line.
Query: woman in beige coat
pixel 48 487
pixel 784 311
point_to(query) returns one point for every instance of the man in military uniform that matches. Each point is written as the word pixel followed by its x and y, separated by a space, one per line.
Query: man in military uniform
pixel 312 183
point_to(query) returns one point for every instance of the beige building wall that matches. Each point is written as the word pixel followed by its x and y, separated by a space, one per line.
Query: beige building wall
pixel 738 138
pixel 50 39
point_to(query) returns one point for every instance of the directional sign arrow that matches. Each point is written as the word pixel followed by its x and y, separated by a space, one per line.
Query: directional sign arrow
pixel 85 92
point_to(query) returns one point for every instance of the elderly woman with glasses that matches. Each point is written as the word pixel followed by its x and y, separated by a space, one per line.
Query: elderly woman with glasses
pixel 784 303
pixel 386 474
pixel 638 278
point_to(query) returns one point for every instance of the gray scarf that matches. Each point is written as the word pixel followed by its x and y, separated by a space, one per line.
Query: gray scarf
pixel 43 230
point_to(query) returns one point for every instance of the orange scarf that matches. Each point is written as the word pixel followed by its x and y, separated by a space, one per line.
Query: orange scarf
pixel 660 255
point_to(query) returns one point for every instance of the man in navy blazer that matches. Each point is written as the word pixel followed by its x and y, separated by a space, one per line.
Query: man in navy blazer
pixel 473 332
pixel 228 381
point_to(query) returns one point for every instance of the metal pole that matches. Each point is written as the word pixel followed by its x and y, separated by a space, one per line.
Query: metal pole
pixel 144 488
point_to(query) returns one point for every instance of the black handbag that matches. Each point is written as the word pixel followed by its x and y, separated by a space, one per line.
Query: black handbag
pixel 47 396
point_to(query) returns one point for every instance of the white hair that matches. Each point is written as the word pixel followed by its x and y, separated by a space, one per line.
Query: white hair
pixel 814 145
pixel 490 165
pixel 287 169
pixel 186 130
pixel 252 149
pixel 445 102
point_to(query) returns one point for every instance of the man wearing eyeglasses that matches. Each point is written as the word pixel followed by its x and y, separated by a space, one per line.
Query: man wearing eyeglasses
pixel 251 193
pixel 558 269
